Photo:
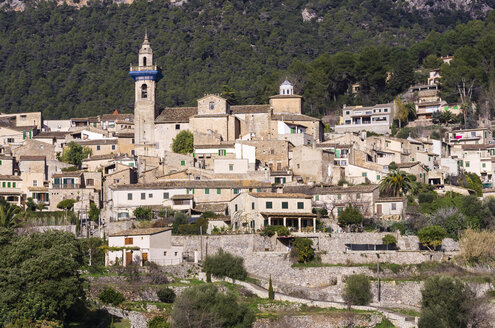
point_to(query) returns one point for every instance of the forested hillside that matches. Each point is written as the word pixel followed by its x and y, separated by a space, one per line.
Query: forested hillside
pixel 69 62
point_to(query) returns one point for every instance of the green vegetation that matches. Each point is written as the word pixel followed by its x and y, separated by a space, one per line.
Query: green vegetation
pixel 302 250
pixel 9 215
pixel 271 230
pixel 478 247
pixel 158 322
pixel 111 296
pixel 46 266
pixel 396 183
pixel 74 153
pixel 224 264
pixel 389 240
pixel 271 293
pixel 205 306
pixel 183 142
pixel 357 290
pixel 166 295
pixel 94 212
pixel 444 303
pixel 66 204
pixel 431 236
pixel 143 213
pixel 73 62
pixel 350 217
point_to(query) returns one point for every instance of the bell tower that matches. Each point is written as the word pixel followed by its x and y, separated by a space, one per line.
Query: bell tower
pixel 145 75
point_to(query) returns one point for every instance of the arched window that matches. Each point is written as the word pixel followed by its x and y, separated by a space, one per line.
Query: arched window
pixel 144 61
pixel 144 91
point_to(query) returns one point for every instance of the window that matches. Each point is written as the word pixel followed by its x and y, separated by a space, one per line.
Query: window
pixel 364 174
pixel 222 152
pixel 285 205
pixel 483 165
pixel 13 184
pixel 190 191
pixel 98 147
pixel 231 167
pixel 268 205
pixel 212 105
pixel 35 183
pixel 10 140
pixel 3 184
pixel 166 195
pixel 358 196
pixel 300 205
pixel 177 126
pixel 150 195
pixel 90 182
pixel 132 141
pixel 113 147
pixel 236 191
pixel 252 205
pixel 339 196
pixel 394 206
pixel 143 195
pixel 235 208
pixel 144 91
pixel 182 163
pixel 128 241
pixel 339 210
pixel 165 253
pixel 317 197
pixel 0 162
pixel 467 163
pixel 116 180
pixel 8 184
pixel 219 191
pixel 144 61
pixel 258 190
pixel 412 159
pixel 207 191
pixel 378 177
pixel 347 112
pixel 385 110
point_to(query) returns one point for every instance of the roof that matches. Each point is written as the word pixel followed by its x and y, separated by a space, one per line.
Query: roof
pixel 293 117
pixel 6 157
pixel 97 142
pixel 10 177
pixel 476 147
pixel 286 96
pixel 139 232
pixel 176 114
pixel 182 197
pixel 68 174
pixel 277 195
pixel 171 184
pixel 406 165
pixel 32 158
pixel 324 190
pixel 31 188
pixel 99 157
pixel 110 117
pixel 291 214
pixel 223 145
pixel 286 82
pixel 249 109
pixel 210 207
pixel 84 119
pixel 124 134
pixel 51 134
pixel 390 199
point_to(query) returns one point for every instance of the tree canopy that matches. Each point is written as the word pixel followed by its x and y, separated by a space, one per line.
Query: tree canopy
pixel 73 62
pixel 183 143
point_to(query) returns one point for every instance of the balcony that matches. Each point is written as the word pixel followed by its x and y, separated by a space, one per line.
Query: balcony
pixel 67 186
pixel 144 68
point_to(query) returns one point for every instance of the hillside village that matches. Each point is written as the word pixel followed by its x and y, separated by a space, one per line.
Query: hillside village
pixel 254 178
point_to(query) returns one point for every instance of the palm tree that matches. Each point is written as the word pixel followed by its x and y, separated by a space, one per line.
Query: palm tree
pixel 396 183
pixel 8 215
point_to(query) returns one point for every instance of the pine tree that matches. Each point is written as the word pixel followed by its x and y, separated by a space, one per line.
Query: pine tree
pixel 208 276
pixel 271 294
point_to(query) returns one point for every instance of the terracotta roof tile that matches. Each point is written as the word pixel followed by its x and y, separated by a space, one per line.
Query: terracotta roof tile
pixel 176 114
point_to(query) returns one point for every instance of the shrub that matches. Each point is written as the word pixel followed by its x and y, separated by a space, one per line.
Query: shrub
pixel 271 294
pixel 224 264
pixel 158 322
pixel 166 295
pixel 304 251
pixel 143 213
pixel 111 296
pixel 444 303
pixel 270 230
pixel 389 240
pixel 205 306
pixel 350 216
pixel 478 247
pixel 357 290
pixel 398 226
pixel 183 143
pixel 426 197
pixel 431 236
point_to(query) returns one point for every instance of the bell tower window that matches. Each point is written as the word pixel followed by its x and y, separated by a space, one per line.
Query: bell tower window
pixel 144 61
pixel 144 91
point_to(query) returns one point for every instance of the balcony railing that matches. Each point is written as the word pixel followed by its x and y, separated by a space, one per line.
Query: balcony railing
pixel 144 68
pixel 67 186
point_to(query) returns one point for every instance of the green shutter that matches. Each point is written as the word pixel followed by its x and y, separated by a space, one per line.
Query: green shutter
pixel 207 191
pixel 219 191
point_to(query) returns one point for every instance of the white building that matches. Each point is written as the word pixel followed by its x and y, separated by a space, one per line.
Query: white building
pixel 137 246
pixel 376 119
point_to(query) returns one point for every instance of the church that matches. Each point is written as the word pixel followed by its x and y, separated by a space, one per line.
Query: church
pixel 216 125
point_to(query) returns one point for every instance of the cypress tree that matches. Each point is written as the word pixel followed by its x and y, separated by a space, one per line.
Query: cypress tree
pixel 271 294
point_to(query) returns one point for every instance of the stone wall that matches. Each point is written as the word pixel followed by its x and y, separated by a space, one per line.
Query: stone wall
pixel 337 319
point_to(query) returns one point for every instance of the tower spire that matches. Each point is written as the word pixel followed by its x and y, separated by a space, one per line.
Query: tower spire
pixel 145 34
